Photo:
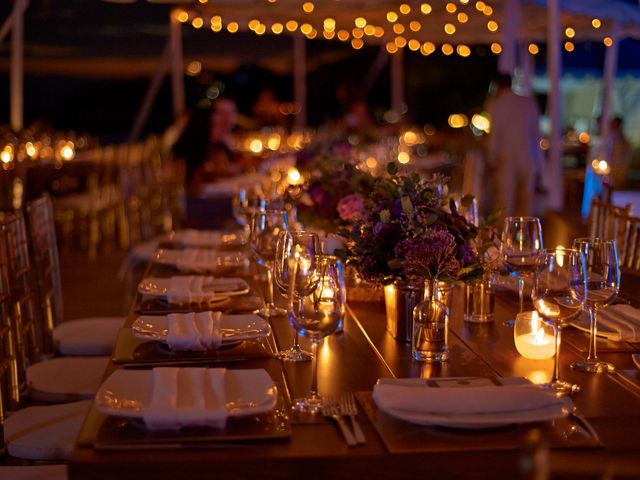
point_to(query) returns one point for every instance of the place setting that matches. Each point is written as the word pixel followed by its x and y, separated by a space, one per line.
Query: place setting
pixel 199 260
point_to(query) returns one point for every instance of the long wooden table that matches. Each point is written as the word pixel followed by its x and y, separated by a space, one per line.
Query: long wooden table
pixel 353 361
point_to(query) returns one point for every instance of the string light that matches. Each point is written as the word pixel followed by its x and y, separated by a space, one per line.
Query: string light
pixel 451 7
pixel 253 24
pixel 487 10
pixel 400 42
pixel 357 33
pixel 449 28
pixel 405 9
pixel 360 22
pixel 569 46
pixel 369 30
pixel 379 32
pixel 233 27
pixel 197 22
pixel 398 28
pixel 357 43
pixel 391 47
pixel 480 6
pixel 306 28
pixel 414 45
pixel 447 49
pixel 426 8
pixel 308 7
pixel 292 25
pixel 463 17
pixel 570 32
pixel 496 48
pixel 216 27
pixel 312 34
pixel 463 50
pixel 343 35
pixel 415 26
pixel 533 49
pixel 596 23
pixel 182 16
pixel 392 17
pixel 427 48
pixel 492 26
pixel 329 24
pixel 277 28
pixel 328 34
pixel 260 30
pixel 608 41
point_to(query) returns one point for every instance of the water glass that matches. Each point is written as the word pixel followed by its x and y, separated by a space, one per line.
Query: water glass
pixel 479 299
pixel 430 332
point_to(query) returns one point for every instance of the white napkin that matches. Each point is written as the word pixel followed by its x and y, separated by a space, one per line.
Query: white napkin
pixel 623 321
pixel 198 238
pixel 187 397
pixel 463 401
pixel 194 331
pixel 197 260
pixel 188 289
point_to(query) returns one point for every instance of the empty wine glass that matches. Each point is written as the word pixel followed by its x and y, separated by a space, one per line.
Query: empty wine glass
pixel 245 203
pixel 315 316
pixel 304 247
pixel 603 284
pixel 521 242
pixel 558 296
pixel 267 225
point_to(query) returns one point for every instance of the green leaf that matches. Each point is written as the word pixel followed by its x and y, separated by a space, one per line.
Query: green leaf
pixel 392 168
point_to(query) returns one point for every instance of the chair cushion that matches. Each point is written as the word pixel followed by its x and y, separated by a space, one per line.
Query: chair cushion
pixel 34 472
pixel 45 433
pixel 66 379
pixel 87 336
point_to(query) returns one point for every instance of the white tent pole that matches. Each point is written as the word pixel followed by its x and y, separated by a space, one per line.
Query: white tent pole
pixel 553 172
pixel 300 80
pixel 609 79
pixel 177 70
pixel 152 93
pixel 17 66
pixel 397 81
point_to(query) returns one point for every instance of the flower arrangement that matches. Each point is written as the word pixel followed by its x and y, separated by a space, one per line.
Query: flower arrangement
pixel 406 230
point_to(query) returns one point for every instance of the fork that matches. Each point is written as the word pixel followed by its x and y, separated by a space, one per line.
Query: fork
pixel 330 409
pixel 348 407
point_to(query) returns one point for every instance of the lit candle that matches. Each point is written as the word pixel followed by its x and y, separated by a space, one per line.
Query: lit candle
pixel 532 341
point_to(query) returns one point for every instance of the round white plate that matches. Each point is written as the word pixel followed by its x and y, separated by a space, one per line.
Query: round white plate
pixel 127 393
pixel 234 328
pixel 219 287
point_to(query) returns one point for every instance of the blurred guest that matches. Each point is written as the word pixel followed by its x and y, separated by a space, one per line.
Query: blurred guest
pixel 205 147
pixel 515 158
pixel 620 154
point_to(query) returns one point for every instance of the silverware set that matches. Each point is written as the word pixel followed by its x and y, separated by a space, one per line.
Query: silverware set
pixel 338 411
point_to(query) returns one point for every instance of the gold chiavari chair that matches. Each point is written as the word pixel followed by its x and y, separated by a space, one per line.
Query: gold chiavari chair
pixel 629 249
pixel 91 336
pixel 608 221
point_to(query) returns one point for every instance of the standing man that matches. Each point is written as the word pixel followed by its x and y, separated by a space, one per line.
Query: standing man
pixel 515 158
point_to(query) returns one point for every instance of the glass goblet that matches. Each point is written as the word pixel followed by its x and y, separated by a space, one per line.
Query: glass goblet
pixel 521 242
pixel 267 225
pixel 314 316
pixel 558 296
pixel 603 284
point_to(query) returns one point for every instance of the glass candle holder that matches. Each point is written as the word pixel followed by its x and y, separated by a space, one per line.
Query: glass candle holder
pixel 479 299
pixel 534 338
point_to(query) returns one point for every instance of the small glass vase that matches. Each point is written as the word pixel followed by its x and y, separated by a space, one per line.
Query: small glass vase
pixel 429 341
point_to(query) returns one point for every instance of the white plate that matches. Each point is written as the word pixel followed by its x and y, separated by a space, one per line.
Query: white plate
pixel 477 421
pixel 219 287
pixel 224 259
pixel 207 238
pixel 234 328
pixel 127 393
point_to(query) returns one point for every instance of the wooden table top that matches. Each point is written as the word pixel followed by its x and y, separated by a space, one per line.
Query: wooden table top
pixel 353 361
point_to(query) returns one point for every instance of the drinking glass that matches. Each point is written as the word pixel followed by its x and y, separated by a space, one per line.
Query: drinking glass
pixel 558 296
pixel 521 242
pixel 267 225
pixel 291 247
pixel 245 203
pixel 603 284
pixel 315 316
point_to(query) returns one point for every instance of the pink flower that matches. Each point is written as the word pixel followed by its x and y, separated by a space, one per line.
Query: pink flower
pixel 350 208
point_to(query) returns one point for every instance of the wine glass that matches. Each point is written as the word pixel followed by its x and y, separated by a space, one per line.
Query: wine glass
pixel 521 242
pixel 603 284
pixel 558 296
pixel 245 203
pixel 315 316
pixel 304 247
pixel 267 225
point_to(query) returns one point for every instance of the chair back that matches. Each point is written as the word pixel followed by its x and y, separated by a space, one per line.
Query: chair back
pixel 608 221
pixel 46 266
pixel 629 249
pixel 23 343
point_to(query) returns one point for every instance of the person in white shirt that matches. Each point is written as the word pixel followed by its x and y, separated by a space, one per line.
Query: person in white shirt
pixel 515 158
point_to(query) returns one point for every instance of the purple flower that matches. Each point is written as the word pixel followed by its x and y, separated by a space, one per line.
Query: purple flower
pixel 430 256
pixel 350 207
pixel 465 254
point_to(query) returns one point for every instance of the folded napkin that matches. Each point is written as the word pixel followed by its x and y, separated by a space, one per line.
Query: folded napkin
pixel 194 331
pixel 463 401
pixel 198 238
pixel 197 260
pixel 621 321
pixel 186 397
pixel 189 289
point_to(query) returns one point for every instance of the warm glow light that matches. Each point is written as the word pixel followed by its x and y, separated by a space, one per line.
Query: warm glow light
pixel 392 17
pixel 31 149
pixel 182 16
pixel 329 24
pixel 194 68
pixel 357 33
pixel 426 8
pixel 403 158
pixel 260 30
pixel 405 9
pixel 414 44
pixel 306 28
pixel 277 28
pixel 447 49
pixel 371 162
pixel 232 27
pixel 391 47
pixel 197 22
pixel 253 24
pixel 216 27
pixel 398 28
pixel 427 48
pixel 273 142
pixel 357 43
pixel 449 28
pixel 67 151
pixel 400 42
pixel 451 7
pixel 569 46
pixel 603 165
pixel 308 7
pixel 292 25
pixel 492 26
pixel 343 35
pixel 463 17
pixel 496 48
pixel 463 50
pixel 379 32
pixel 596 23
pixel 329 35
pixel 480 6
pixel 487 10
pixel 584 137
pixel 360 22
pixel 369 30
pixel 608 41
pixel 312 34
pixel 481 122
pixel 255 145
pixel 533 49
pixel 570 32
pixel 415 26
pixel 6 156
pixel 294 176
pixel 458 120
